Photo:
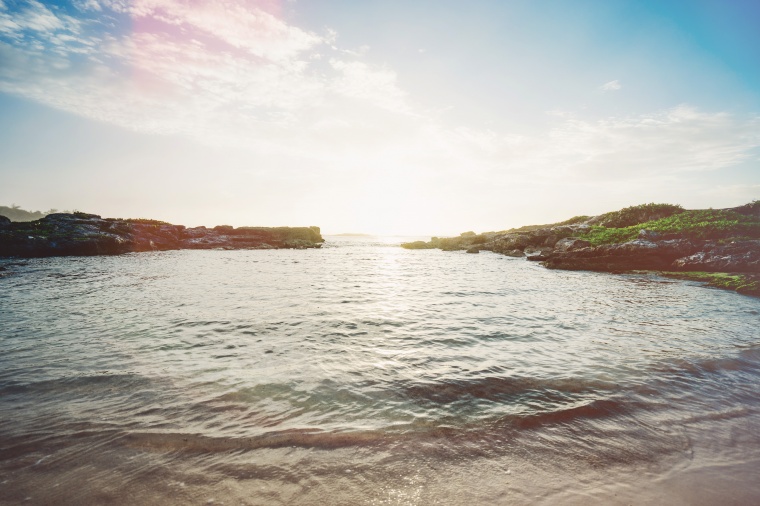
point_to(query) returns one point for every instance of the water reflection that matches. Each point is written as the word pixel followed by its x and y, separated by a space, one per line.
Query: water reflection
pixel 292 366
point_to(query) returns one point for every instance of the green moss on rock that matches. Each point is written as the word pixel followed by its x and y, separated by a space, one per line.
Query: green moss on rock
pixel 748 284
pixel 699 224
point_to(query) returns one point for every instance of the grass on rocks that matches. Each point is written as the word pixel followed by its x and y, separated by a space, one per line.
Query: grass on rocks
pixel 699 224
pixel 742 283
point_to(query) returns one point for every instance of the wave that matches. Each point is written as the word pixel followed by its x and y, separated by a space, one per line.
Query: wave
pixel 504 388
pixel 101 383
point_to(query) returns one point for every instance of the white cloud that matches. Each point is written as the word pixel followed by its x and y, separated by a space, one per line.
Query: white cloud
pixel 234 75
pixel 222 72
pixel 234 22
pixel 671 142
pixel 362 81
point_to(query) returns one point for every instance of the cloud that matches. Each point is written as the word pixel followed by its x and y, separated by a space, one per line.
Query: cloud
pixel 672 142
pixel 225 73
pixel 238 23
pixel 234 74
pixel 35 17
pixel 361 81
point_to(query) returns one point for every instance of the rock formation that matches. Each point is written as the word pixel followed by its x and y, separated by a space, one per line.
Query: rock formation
pixel 658 237
pixel 67 234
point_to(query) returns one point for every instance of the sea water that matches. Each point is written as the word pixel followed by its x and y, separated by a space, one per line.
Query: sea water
pixel 363 373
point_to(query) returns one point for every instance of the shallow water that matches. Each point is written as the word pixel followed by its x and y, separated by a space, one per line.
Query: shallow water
pixel 363 373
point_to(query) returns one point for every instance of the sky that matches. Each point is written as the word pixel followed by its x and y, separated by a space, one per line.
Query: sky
pixel 425 117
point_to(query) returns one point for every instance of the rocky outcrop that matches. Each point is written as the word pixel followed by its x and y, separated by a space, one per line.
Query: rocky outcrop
pixel 571 243
pixel 736 256
pixel 668 255
pixel 638 254
pixel 515 244
pixel 65 234
pixel 653 237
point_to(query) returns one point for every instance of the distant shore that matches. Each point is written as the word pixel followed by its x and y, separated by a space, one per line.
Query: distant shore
pixel 81 234
pixel 718 246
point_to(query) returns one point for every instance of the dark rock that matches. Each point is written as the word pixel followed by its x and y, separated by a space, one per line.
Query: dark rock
pixel 418 245
pixel 649 235
pixel 473 250
pixel 63 234
pixel 569 230
pixel 511 242
pixel 193 233
pixel 737 256
pixel 634 255
pixel 571 243
pixel 534 251
pixel 4 222
pixel 752 209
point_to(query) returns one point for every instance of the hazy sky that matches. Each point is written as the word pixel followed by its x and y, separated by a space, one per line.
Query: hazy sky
pixel 409 117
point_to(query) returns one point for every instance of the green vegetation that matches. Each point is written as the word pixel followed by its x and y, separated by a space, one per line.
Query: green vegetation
pixel 742 283
pixel 573 220
pixel 700 224
pixel 531 228
pixel 146 221
pixel 138 221
pixel 637 214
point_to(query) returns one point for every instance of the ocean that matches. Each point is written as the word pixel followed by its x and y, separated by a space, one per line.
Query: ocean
pixel 363 373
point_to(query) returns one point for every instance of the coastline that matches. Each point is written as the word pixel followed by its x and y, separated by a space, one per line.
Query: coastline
pixel 81 234
pixel 743 283
pixel 719 247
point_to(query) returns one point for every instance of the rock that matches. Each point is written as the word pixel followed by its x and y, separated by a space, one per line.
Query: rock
pixel 511 242
pixel 473 250
pixel 418 245
pixel 634 255
pixel 513 253
pixel 635 246
pixel 649 235
pixel 562 230
pixel 63 234
pixel 571 243
pixel 752 209
pixel 4 222
pixel 737 256
pixel 192 233
pixel 70 217
pixel 568 230
pixel 532 251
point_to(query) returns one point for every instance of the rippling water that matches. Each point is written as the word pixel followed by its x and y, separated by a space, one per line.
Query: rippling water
pixel 363 373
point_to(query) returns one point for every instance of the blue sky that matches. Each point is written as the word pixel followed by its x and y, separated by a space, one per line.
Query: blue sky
pixel 425 117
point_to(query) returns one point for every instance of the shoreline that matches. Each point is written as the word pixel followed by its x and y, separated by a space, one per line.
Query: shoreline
pixel 742 283
pixel 719 247
pixel 81 234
